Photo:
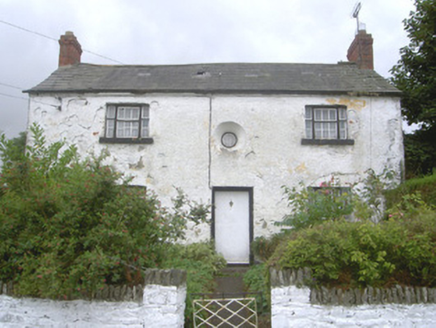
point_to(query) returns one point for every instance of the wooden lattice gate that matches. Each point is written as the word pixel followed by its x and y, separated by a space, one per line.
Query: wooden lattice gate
pixel 225 312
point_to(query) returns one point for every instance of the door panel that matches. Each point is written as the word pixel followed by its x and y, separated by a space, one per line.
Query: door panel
pixel 232 225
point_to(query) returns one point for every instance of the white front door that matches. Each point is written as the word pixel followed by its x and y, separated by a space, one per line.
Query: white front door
pixel 232 223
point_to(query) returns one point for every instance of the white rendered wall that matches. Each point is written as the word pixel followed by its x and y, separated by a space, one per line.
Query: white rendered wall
pixel 187 152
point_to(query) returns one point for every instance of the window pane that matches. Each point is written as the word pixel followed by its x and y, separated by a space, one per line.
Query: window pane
pixel 325 131
pixel 144 128
pixel 121 113
pixel 308 113
pixel 110 113
pixel 309 130
pixel 134 113
pixel 318 130
pixel 332 114
pixel 342 114
pixel 128 113
pixel 325 115
pixel 343 130
pixel 127 129
pixel 145 112
pixel 332 131
pixel 110 124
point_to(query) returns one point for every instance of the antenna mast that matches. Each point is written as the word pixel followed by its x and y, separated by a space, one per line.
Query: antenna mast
pixel 355 14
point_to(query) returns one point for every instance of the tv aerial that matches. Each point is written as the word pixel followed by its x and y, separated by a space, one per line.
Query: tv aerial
pixel 355 14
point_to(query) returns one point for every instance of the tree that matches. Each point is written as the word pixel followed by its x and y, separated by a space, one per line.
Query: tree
pixel 415 76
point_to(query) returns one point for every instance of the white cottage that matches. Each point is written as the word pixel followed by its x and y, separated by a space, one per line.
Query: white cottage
pixel 230 134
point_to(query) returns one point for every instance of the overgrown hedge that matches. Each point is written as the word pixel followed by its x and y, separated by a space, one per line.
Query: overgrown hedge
pixel 425 186
pixel 69 227
pixel 357 254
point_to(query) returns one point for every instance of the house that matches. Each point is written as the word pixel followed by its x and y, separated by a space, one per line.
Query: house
pixel 230 134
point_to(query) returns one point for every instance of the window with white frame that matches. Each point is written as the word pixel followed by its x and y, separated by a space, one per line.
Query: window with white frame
pixel 127 122
pixel 326 122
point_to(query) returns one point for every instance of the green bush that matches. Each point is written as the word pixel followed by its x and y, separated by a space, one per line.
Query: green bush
pixel 401 250
pixel 263 247
pixel 69 226
pixel 310 206
pixel 314 206
pixel 201 263
pixel 256 279
pixel 425 186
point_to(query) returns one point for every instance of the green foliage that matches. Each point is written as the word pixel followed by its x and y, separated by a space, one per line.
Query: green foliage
pixel 415 76
pixel 415 73
pixel 12 149
pixel 201 263
pixel 314 206
pixel 263 247
pixel 420 152
pixel 400 250
pixel 362 200
pixel 368 194
pixel 256 279
pixel 425 187
pixel 69 226
pixel 184 211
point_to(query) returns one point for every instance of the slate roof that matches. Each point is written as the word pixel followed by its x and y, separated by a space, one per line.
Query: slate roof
pixel 255 78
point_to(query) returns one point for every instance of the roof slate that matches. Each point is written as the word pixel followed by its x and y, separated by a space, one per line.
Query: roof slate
pixel 259 78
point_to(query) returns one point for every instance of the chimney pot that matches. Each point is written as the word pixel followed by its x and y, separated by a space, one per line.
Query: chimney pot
pixel 70 49
pixel 361 51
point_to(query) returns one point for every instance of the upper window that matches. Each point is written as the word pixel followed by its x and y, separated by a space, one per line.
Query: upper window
pixel 326 125
pixel 127 123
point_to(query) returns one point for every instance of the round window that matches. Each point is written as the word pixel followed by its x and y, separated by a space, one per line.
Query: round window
pixel 229 139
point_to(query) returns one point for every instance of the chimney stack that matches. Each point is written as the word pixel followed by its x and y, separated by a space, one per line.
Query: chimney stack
pixel 360 50
pixel 70 50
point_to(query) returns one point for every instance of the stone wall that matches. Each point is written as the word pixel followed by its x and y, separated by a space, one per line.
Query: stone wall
pixel 161 303
pixel 293 304
pixel 354 296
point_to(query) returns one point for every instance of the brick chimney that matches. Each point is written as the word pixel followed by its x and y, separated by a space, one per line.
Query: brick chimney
pixel 360 50
pixel 70 50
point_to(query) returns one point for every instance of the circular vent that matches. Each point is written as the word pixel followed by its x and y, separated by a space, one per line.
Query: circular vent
pixel 229 139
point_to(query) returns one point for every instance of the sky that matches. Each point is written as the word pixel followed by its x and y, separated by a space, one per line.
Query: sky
pixel 159 32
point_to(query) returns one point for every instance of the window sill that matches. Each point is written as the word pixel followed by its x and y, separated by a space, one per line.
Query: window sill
pixel 126 140
pixel 339 142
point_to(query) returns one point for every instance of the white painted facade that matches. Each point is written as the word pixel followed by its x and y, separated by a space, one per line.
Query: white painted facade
pixel 187 150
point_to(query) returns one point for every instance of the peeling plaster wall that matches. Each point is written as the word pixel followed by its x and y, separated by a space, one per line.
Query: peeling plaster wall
pixel 267 156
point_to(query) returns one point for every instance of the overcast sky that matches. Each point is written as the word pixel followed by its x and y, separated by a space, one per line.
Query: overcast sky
pixel 181 32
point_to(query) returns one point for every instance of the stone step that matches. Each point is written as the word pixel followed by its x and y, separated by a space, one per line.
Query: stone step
pixel 230 281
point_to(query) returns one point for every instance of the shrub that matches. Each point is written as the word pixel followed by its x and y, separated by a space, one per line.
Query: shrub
pixel 256 279
pixel 263 247
pixel 313 206
pixel 201 263
pixel 71 226
pixel 401 250
pixel 425 187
